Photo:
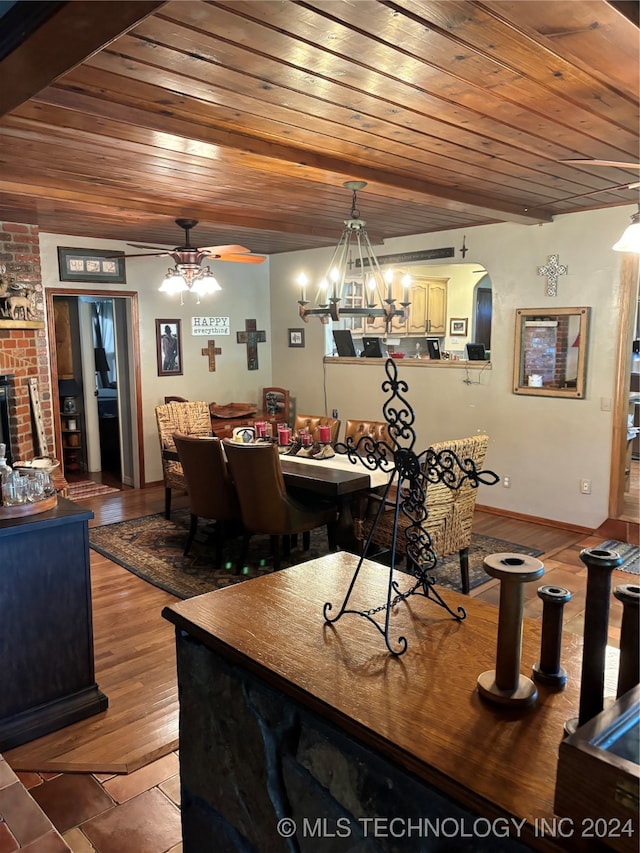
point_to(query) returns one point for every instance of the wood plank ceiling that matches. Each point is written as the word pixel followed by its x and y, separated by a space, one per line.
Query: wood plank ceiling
pixel 248 115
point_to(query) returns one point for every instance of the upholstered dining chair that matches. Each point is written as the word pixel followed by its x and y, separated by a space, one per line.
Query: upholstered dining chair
pixel 450 511
pixel 312 422
pixel 212 494
pixel 376 430
pixel 190 418
pixel 265 505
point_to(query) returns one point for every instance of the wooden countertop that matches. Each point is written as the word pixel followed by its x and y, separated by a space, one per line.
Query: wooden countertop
pixel 410 362
pixel 421 710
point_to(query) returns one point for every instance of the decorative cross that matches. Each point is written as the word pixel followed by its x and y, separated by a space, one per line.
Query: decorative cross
pixel 552 269
pixel 211 350
pixel 251 337
pixel 464 250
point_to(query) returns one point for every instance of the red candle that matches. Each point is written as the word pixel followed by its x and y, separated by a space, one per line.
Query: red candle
pixel 284 436
pixel 325 434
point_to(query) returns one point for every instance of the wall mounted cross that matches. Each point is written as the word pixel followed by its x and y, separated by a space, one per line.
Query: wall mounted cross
pixel 552 269
pixel 211 351
pixel 251 337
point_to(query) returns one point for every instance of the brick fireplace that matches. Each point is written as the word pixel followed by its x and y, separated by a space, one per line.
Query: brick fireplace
pixel 23 343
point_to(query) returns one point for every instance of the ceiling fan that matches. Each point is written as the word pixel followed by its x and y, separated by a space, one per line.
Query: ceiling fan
pixel 189 256
pixel 588 161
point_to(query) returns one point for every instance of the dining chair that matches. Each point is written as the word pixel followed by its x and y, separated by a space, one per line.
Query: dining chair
pixel 276 403
pixel 376 430
pixel 265 505
pixel 191 418
pixel 450 511
pixel 312 423
pixel 212 494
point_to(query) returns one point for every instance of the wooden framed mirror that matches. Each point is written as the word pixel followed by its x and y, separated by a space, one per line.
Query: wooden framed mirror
pixel 551 352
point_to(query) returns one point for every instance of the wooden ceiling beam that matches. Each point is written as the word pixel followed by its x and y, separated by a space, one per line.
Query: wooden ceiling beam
pixel 72 34
pixel 278 158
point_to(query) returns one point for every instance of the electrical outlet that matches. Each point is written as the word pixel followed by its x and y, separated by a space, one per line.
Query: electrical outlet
pixel 506 482
pixel 585 487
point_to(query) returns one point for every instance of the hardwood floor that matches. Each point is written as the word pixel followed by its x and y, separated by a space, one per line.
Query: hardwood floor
pixel 135 654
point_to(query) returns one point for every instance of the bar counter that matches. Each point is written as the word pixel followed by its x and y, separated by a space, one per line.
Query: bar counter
pixel 254 657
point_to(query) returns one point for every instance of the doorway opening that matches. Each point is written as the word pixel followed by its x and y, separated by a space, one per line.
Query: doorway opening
pixel 93 343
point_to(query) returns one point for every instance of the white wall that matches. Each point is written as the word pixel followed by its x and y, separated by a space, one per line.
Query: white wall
pixel 545 445
pixel 244 295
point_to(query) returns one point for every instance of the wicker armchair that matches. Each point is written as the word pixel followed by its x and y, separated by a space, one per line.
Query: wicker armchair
pixel 189 418
pixel 450 511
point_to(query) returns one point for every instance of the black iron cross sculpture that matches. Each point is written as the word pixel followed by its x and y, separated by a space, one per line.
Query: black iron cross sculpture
pixel 410 474
pixel 251 337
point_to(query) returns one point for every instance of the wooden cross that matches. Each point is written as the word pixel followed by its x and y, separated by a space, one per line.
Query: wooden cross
pixel 552 269
pixel 211 350
pixel 251 337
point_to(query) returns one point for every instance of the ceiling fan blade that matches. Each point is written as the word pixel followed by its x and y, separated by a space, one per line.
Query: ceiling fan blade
pixel 142 246
pixel 614 163
pixel 224 250
pixel 240 259
pixel 150 255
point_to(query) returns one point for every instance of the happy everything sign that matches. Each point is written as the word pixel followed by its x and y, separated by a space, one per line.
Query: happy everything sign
pixel 211 326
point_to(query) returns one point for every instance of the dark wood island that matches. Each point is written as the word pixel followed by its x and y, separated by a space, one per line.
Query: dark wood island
pixel 288 724
pixel 48 678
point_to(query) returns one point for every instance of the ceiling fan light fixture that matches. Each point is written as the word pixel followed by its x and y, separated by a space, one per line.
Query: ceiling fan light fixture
pixel 630 240
pixel 205 283
pixel 174 282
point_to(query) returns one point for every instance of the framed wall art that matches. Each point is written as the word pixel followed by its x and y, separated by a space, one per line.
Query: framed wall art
pixel 96 265
pixel 296 337
pixel 458 326
pixel 169 347
pixel 551 352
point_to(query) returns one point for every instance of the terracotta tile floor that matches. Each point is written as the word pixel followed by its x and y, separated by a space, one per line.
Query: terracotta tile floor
pixel 136 813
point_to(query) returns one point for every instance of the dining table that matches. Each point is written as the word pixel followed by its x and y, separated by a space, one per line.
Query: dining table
pixel 345 480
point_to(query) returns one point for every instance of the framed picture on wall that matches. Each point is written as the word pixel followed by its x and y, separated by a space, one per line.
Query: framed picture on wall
pixel 296 337
pixel 458 326
pixel 169 347
pixel 95 265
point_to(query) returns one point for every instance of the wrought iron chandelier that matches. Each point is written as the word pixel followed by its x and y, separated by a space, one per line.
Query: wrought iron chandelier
pixel 354 287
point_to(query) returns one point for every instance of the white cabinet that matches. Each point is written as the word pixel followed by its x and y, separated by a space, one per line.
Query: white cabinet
pixel 428 310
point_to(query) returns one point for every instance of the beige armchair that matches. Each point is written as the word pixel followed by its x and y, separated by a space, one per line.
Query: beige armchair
pixel 450 511
pixel 189 418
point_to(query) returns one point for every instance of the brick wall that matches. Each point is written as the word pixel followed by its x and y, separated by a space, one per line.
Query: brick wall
pixel 23 351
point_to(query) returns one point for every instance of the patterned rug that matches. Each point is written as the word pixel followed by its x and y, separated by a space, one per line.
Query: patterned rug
pixel 87 489
pixel 630 555
pixel 151 547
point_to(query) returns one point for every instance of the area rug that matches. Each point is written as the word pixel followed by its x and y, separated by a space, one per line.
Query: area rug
pixel 88 489
pixel 151 547
pixel 630 555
